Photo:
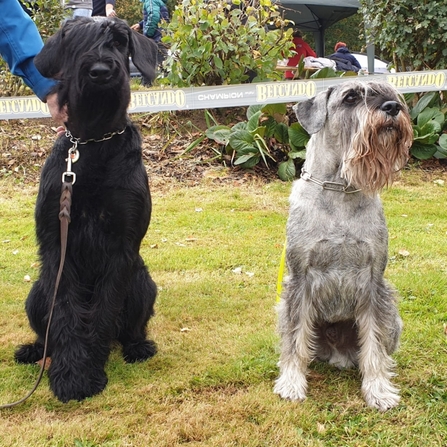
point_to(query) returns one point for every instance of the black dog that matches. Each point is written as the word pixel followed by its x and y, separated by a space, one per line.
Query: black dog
pixel 106 292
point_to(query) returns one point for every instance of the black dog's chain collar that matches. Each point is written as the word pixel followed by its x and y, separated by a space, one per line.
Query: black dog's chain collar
pixel 73 153
pixel 331 186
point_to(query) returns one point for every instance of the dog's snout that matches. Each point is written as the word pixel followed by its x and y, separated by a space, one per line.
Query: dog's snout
pixel 391 107
pixel 100 72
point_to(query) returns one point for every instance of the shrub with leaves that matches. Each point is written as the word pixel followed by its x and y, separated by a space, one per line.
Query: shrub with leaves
pixel 217 43
pixel 428 115
pixel 410 31
pixel 265 137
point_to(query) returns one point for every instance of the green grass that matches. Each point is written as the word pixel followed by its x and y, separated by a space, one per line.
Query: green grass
pixel 211 382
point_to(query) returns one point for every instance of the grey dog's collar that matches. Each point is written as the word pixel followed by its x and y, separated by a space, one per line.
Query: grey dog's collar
pixel 331 186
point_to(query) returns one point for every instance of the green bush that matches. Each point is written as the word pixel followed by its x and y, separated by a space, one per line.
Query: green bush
pixel 130 10
pixel 410 31
pixel 428 115
pixel 265 137
pixel 217 43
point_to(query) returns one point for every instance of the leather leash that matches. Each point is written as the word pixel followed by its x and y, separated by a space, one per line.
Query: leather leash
pixel 68 179
pixel 64 217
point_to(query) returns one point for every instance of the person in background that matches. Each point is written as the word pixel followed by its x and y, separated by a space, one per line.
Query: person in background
pixel 153 12
pixel 20 41
pixel 302 49
pixel 341 55
pixel 105 8
pixel 78 8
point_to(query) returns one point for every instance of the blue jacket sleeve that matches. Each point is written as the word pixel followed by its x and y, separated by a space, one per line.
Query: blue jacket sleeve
pixel 355 62
pixel 20 41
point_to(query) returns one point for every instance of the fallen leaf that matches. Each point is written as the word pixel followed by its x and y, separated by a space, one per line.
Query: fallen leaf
pixel 185 329
pixel 237 270
pixel 404 253
pixel 47 362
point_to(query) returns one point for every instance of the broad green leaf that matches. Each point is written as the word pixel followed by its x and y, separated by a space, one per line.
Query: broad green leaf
pixel 423 151
pixel 244 158
pixel 242 141
pixel 253 122
pixel 443 141
pixel 273 109
pixel 430 114
pixel 270 126
pixel 259 132
pixel 252 161
pixel 297 154
pixel 282 133
pixel 422 104
pixel 325 72
pixel 440 153
pixel 217 61
pixel 241 125
pixel 287 170
pixel 220 134
pixel 427 138
pixel 253 109
pixel 298 136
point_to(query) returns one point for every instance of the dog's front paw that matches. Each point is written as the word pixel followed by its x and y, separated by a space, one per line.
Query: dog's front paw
pixel 139 351
pixel 380 394
pixel 76 385
pixel 291 386
pixel 30 353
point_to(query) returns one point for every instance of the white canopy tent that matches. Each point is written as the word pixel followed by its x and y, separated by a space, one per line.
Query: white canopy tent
pixel 316 16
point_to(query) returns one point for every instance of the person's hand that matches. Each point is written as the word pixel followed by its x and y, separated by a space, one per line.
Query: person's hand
pixel 60 130
pixel 136 27
pixel 58 115
pixel 110 12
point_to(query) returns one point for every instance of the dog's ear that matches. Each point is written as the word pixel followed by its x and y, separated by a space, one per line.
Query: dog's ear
pixel 312 113
pixel 143 52
pixel 49 61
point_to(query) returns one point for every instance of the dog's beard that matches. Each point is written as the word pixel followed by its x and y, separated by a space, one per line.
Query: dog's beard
pixel 379 150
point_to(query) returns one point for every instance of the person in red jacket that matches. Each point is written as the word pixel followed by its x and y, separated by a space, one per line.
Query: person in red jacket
pixel 302 48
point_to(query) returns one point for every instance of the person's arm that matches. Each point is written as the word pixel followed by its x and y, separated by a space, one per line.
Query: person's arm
pixel 309 51
pixel 355 62
pixel 20 41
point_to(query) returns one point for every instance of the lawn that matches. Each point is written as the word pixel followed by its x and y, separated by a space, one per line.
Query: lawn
pixel 214 251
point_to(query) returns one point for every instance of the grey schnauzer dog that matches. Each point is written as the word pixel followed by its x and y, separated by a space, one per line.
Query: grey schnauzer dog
pixel 336 305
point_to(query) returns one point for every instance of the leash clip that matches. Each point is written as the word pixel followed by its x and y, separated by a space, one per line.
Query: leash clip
pixel 73 157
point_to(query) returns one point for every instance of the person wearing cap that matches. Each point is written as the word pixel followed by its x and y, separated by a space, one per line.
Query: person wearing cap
pixel 302 49
pixel 342 53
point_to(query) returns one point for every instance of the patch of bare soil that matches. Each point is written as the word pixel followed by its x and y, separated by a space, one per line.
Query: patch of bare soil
pixel 169 152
